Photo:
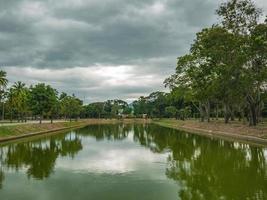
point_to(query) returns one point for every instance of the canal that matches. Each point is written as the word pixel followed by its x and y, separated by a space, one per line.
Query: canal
pixel 131 162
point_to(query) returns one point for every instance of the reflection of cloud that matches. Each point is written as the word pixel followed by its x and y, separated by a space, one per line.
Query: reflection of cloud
pixel 112 159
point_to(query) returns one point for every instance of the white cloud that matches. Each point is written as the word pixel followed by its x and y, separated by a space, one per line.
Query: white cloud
pixel 96 82
pixel 136 43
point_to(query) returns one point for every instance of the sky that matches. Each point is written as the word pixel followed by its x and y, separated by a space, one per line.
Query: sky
pixel 99 50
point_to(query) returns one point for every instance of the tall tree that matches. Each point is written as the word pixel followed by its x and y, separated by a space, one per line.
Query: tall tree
pixel 71 106
pixel 3 84
pixel 239 16
pixel 42 99
pixel 20 99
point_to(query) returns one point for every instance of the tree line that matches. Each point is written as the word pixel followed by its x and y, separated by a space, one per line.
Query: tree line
pixel 225 72
pixel 223 75
pixel 41 101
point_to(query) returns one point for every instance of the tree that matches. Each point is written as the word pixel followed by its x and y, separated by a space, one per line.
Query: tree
pixel 223 52
pixel 71 106
pixel 239 16
pixel 256 71
pixel 140 106
pixel 171 111
pixel 42 99
pixel 11 102
pixel 96 110
pixel 226 66
pixel 20 99
pixel 3 84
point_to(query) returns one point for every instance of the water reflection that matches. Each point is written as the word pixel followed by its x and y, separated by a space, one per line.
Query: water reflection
pixel 39 157
pixel 209 169
pixel 1 177
pixel 106 132
pixel 203 168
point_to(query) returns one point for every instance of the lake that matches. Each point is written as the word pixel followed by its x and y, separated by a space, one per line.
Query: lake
pixel 131 162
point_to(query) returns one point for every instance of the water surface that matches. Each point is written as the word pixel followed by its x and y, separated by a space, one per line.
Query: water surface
pixel 133 162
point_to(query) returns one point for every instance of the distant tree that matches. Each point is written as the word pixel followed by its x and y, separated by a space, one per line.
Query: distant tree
pixel 95 110
pixel 71 106
pixel 42 99
pixel 20 95
pixel 141 106
pixel 171 111
pixel 3 84
pixel 11 102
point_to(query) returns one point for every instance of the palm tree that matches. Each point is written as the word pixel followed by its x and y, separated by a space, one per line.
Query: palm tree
pixel 20 98
pixel 19 86
pixel 3 79
pixel 3 84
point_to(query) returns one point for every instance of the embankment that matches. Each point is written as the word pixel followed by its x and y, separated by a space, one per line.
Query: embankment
pixel 14 132
pixel 234 131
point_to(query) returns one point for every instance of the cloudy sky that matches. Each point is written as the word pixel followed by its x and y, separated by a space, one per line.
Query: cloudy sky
pixel 99 49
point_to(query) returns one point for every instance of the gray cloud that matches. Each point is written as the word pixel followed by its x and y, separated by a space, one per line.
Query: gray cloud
pixel 39 37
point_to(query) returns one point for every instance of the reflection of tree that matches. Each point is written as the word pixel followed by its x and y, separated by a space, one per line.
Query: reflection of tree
pixel 107 131
pixel 206 168
pixel 70 147
pixel 39 157
pixel 203 168
pixel 219 172
pixel 2 177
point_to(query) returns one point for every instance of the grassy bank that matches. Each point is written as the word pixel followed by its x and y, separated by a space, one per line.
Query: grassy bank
pixel 234 130
pixel 23 130
pixel 15 130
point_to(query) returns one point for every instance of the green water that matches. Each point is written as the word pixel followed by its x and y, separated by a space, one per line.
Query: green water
pixel 131 162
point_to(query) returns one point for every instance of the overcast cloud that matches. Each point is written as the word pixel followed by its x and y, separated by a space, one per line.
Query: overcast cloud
pixel 99 49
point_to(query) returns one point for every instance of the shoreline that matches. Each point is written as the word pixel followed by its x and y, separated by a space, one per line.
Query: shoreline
pixel 192 127
pixel 212 132
pixel 64 126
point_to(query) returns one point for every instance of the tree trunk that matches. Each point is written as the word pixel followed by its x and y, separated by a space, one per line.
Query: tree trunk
pixel 253 110
pixel 201 112
pixel 253 115
pixel 3 111
pixel 231 113
pixel 226 113
pixel 217 112
pixel 11 116
pixel 207 109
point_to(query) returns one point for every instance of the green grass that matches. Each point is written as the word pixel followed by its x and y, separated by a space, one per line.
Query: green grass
pixel 20 129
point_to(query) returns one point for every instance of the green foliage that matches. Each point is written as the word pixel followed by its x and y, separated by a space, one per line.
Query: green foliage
pixel 95 110
pixel 107 109
pixel 152 105
pixel 171 111
pixel 226 65
pixel 71 106
pixel 239 16
pixel 42 99
pixel 20 98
